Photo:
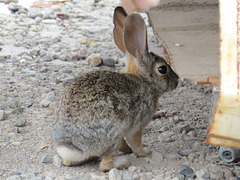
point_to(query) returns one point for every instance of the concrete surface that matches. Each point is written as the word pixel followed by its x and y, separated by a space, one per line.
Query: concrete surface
pixel 190 32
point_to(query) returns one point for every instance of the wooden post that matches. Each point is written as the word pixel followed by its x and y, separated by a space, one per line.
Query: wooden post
pixel 225 128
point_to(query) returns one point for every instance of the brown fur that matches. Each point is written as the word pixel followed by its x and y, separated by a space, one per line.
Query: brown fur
pixel 101 108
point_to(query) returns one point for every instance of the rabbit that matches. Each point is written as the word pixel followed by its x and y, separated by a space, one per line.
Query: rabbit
pixel 103 112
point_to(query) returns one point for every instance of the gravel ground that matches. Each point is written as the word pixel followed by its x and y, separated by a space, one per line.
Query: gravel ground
pixel 40 53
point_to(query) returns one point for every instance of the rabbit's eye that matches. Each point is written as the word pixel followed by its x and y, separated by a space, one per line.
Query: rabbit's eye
pixel 163 69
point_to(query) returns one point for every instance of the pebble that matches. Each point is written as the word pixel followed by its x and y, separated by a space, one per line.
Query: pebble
pixel 228 174
pixel 94 60
pixel 14 177
pixel 108 61
pixel 186 171
pixel 115 174
pixel 57 161
pixel 20 122
pixel 34 12
pixel 134 169
pixel 3 115
pixel 157 156
pixel 65 78
pixel 16 143
pixel 47 159
pixel 181 128
pixel 203 173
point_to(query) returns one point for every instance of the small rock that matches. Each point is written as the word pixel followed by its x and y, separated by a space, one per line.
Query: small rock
pixel 94 60
pixel 14 177
pixel 180 128
pixel 127 175
pixel 43 69
pixel 192 133
pixel 145 176
pixel 20 122
pixel 16 143
pixel 57 161
pixel 15 173
pixel 3 115
pixel 234 178
pixel 187 171
pixel 56 8
pixel 179 176
pixel 185 152
pixel 47 159
pixel 52 105
pixel 115 174
pixel 122 162
pixel 49 177
pixel 173 156
pixel 216 175
pixel 48 14
pixel 178 45
pixel 203 173
pixel 62 15
pixel 157 156
pixel 108 61
pixel 34 12
pixel 134 169
pixel 45 103
pixel 18 110
pixel 66 77
pixel 228 174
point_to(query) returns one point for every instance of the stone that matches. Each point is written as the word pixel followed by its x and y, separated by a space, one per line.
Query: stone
pixel 127 175
pixel 228 174
pixel 62 15
pixel 16 173
pixel 203 173
pixel 66 77
pixel 16 143
pixel 43 69
pixel 34 12
pixel 122 162
pixel 56 8
pixel 179 176
pixel 48 14
pixel 47 159
pixel 180 128
pixel 173 156
pixel 20 122
pixel 115 174
pixel 134 169
pixel 3 115
pixel 94 60
pixel 187 171
pixel 57 161
pixel 108 61
pixel 14 177
pixel 157 156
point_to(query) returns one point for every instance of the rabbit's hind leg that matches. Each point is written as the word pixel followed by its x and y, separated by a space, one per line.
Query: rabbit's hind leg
pixel 109 161
pixel 72 156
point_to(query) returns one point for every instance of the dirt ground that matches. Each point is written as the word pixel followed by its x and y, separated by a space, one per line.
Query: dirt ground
pixel 40 55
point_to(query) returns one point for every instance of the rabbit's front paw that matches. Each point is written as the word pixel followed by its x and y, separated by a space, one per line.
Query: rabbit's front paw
pixel 141 153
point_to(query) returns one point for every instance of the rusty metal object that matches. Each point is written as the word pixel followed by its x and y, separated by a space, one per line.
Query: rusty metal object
pixel 225 127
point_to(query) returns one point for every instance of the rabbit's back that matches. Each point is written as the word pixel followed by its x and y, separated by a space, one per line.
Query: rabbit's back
pixel 98 107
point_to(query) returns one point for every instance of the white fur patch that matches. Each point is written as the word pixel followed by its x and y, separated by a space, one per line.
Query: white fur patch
pixel 71 155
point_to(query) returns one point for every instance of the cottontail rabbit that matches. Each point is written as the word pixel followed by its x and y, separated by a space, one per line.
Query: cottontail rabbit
pixel 102 112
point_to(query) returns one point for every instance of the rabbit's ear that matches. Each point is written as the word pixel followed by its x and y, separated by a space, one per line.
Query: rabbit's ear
pixel 118 20
pixel 135 36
